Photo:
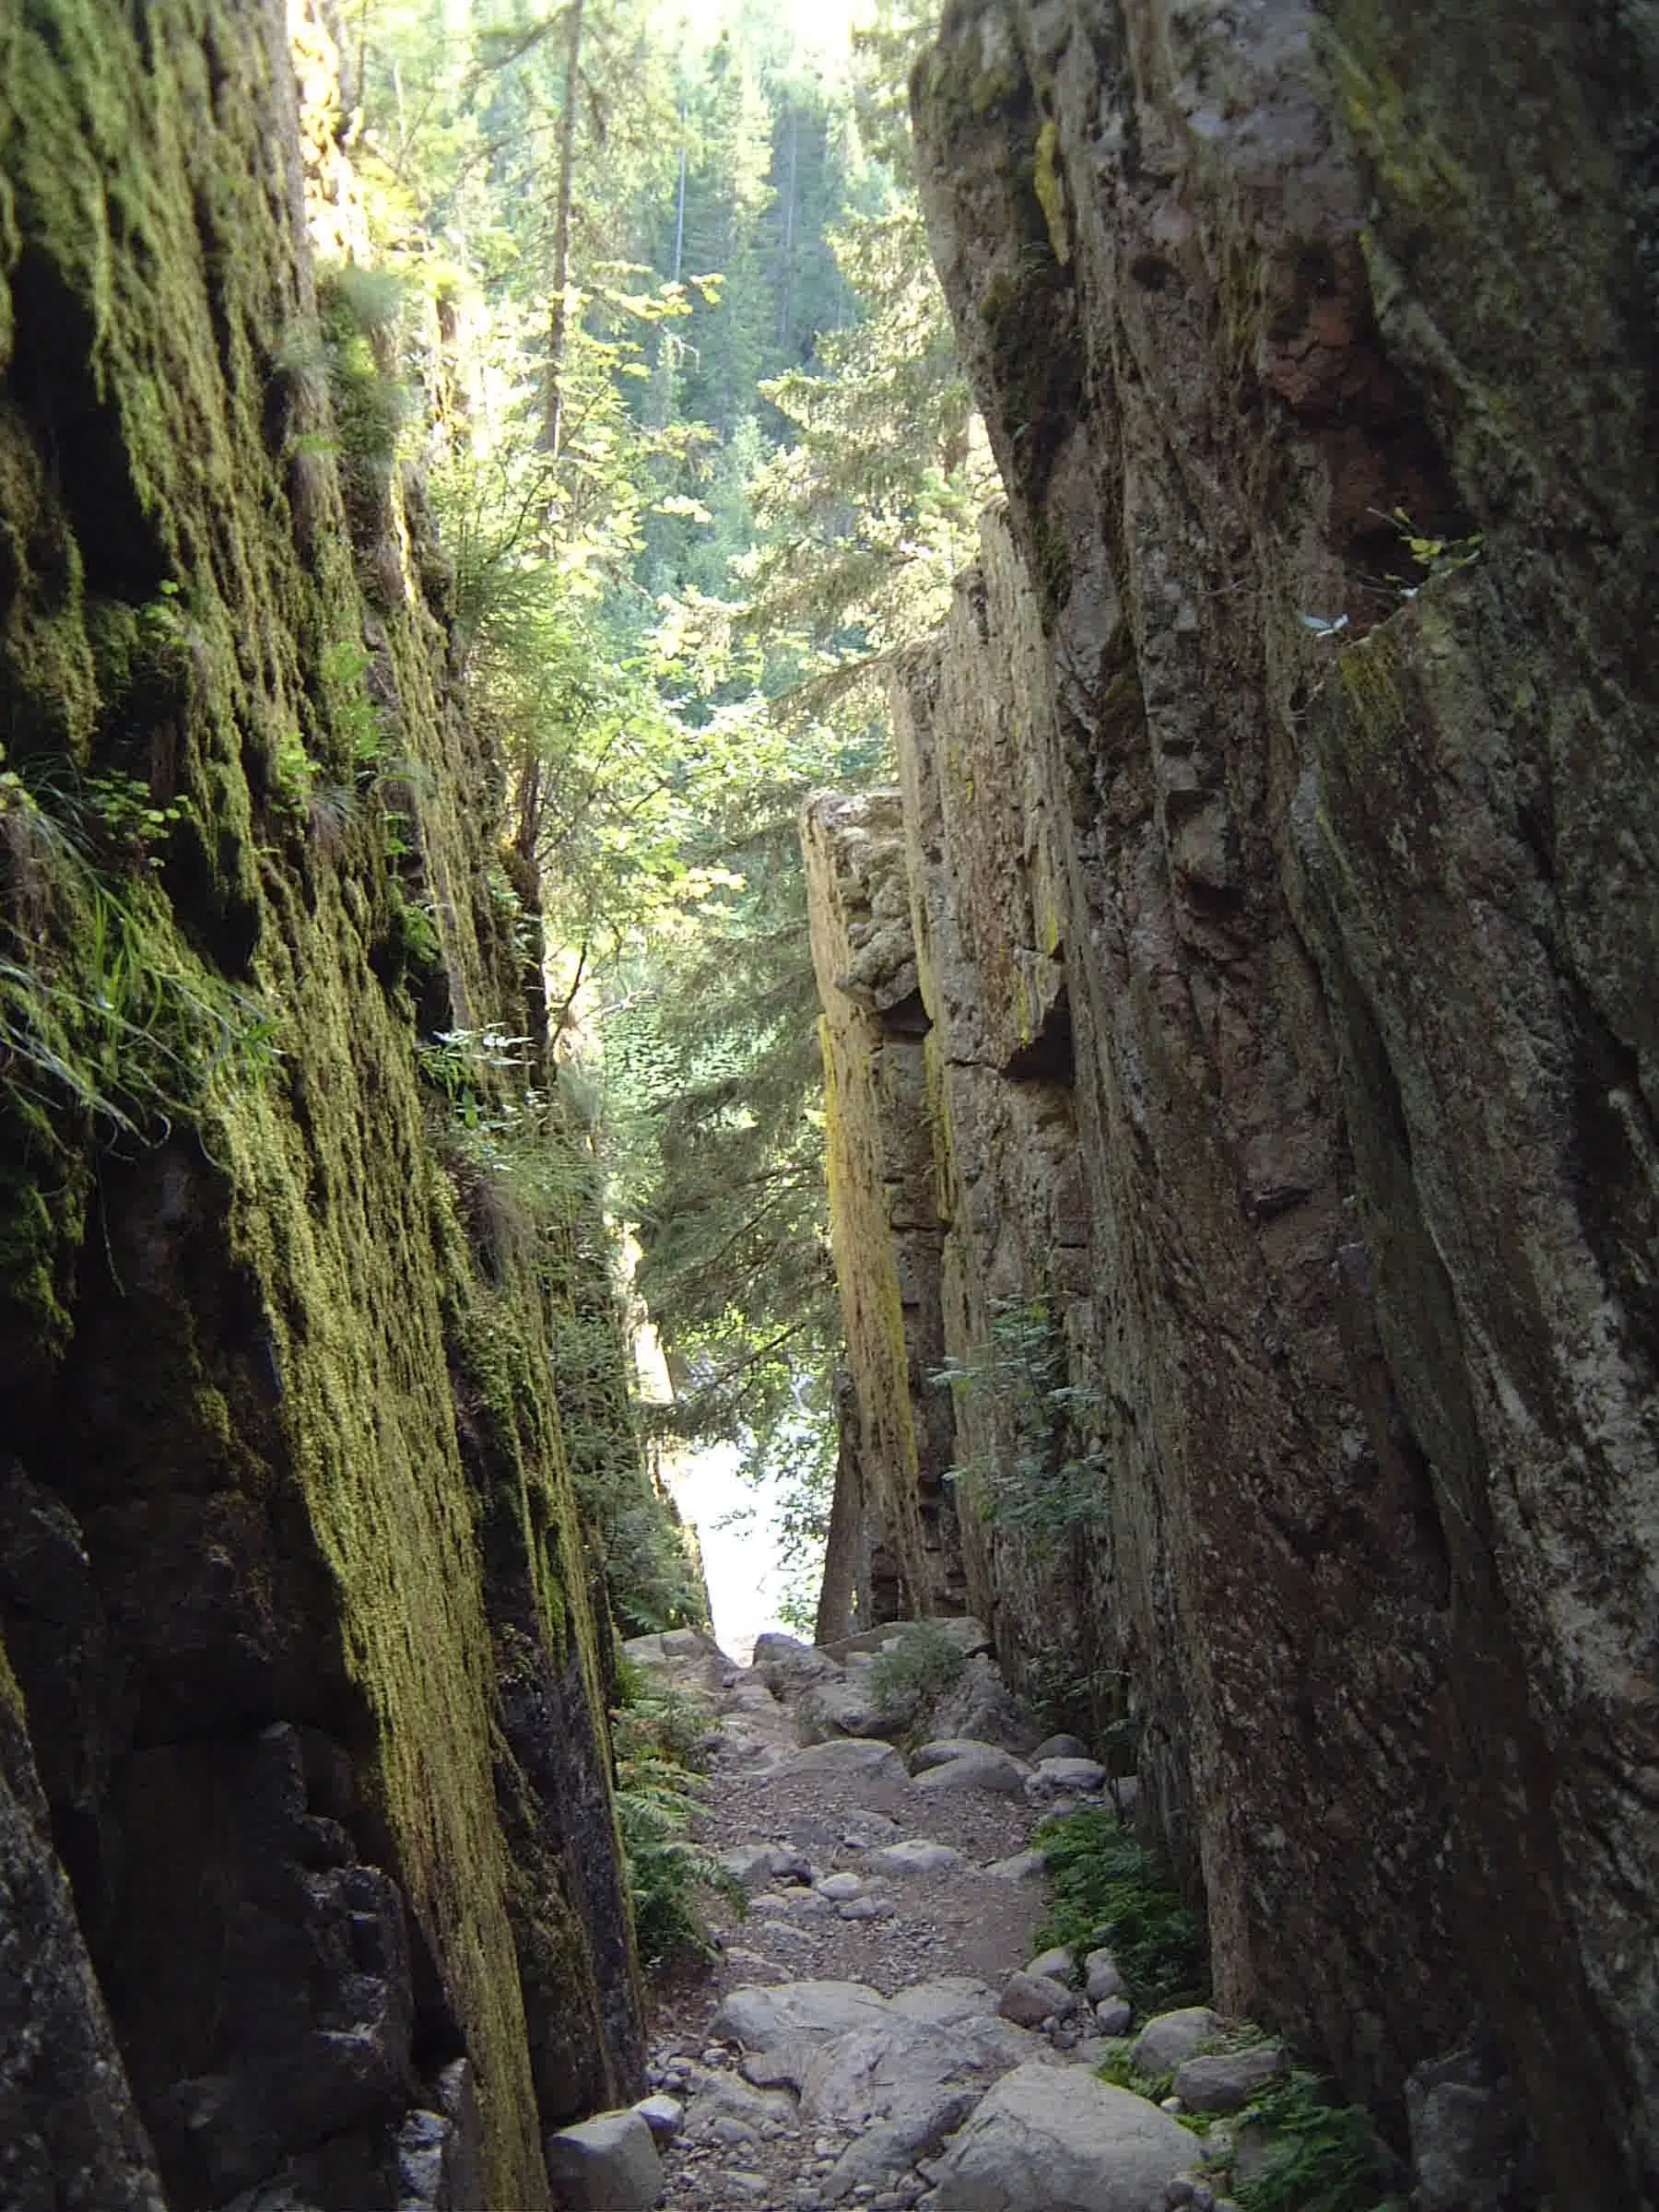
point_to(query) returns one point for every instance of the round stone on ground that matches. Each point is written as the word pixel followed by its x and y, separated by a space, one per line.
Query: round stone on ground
pixel 1225 2081
pixel 1030 1999
pixel 1059 1746
pixel 1072 1773
pixel 1059 1964
pixel 1047 2135
pixel 605 2164
pixel 759 2018
pixel 916 1854
pixel 1100 1976
pixel 1169 2040
pixel 981 1768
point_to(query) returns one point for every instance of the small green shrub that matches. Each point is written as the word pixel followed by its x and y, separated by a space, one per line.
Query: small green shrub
pixel 922 1666
pixel 1105 1889
pixel 1322 2158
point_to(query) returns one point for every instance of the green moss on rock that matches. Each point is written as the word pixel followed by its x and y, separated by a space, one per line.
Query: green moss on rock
pixel 167 608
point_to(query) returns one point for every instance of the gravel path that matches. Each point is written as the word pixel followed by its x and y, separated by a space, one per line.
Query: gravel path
pixel 829 1901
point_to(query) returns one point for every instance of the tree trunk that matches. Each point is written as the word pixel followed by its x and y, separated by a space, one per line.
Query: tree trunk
pixel 557 319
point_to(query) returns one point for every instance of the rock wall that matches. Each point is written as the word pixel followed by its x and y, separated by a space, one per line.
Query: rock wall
pixel 310 1663
pixel 1312 881
pixel 884 1216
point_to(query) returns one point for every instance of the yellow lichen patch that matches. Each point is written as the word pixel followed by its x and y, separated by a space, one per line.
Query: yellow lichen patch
pixel 1409 154
pixel 1050 188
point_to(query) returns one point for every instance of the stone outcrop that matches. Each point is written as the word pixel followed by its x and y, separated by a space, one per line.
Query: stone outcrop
pixel 1306 875
pixel 308 1665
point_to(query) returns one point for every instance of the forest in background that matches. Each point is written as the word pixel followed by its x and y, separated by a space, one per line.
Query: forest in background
pixel 643 306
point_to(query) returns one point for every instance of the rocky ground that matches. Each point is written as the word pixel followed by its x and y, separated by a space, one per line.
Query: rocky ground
pixel 875 2030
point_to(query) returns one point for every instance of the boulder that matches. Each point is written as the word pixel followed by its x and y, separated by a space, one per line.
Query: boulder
pixel 980 1704
pixel 840 1704
pixel 861 1755
pixel 729 2109
pixel 1468 2130
pixel 1225 2081
pixel 983 1767
pixel 886 2148
pixel 791 2012
pixel 785 1664
pixel 1071 1773
pixel 968 1634
pixel 916 1854
pixel 1100 1976
pixel 896 2066
pixel 756 1866
pixel 605 2164
pixel 952 1998
pixel 1059 1746
pixel 939 1750
pixel 1059 1964
pixel 1047 2136
pixel 663 2115
pixel 1023 1866
pixel 1173 2038
pixel 1030 1999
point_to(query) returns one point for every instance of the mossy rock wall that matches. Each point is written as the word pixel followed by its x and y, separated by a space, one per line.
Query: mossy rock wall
pixel 1353 853
pixel 311 1642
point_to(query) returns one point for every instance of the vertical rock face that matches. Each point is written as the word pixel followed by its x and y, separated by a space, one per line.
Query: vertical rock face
pixel 292 1583
pixel 883 1205
pixel 1339 856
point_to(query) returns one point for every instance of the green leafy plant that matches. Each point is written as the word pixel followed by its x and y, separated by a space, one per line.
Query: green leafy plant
pixel 1320 2157
pixel 1089 1702
pixel 1105 1889
pixel 1037 1475
pixel 921 1668
pixel 293 772
pixel 1434 556
pixel 129 813
pixel 353 713
pixel 658 1732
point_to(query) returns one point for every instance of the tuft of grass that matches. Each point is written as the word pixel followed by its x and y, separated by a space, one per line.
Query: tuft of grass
pixel 1320 2157
pixel 1106 1890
